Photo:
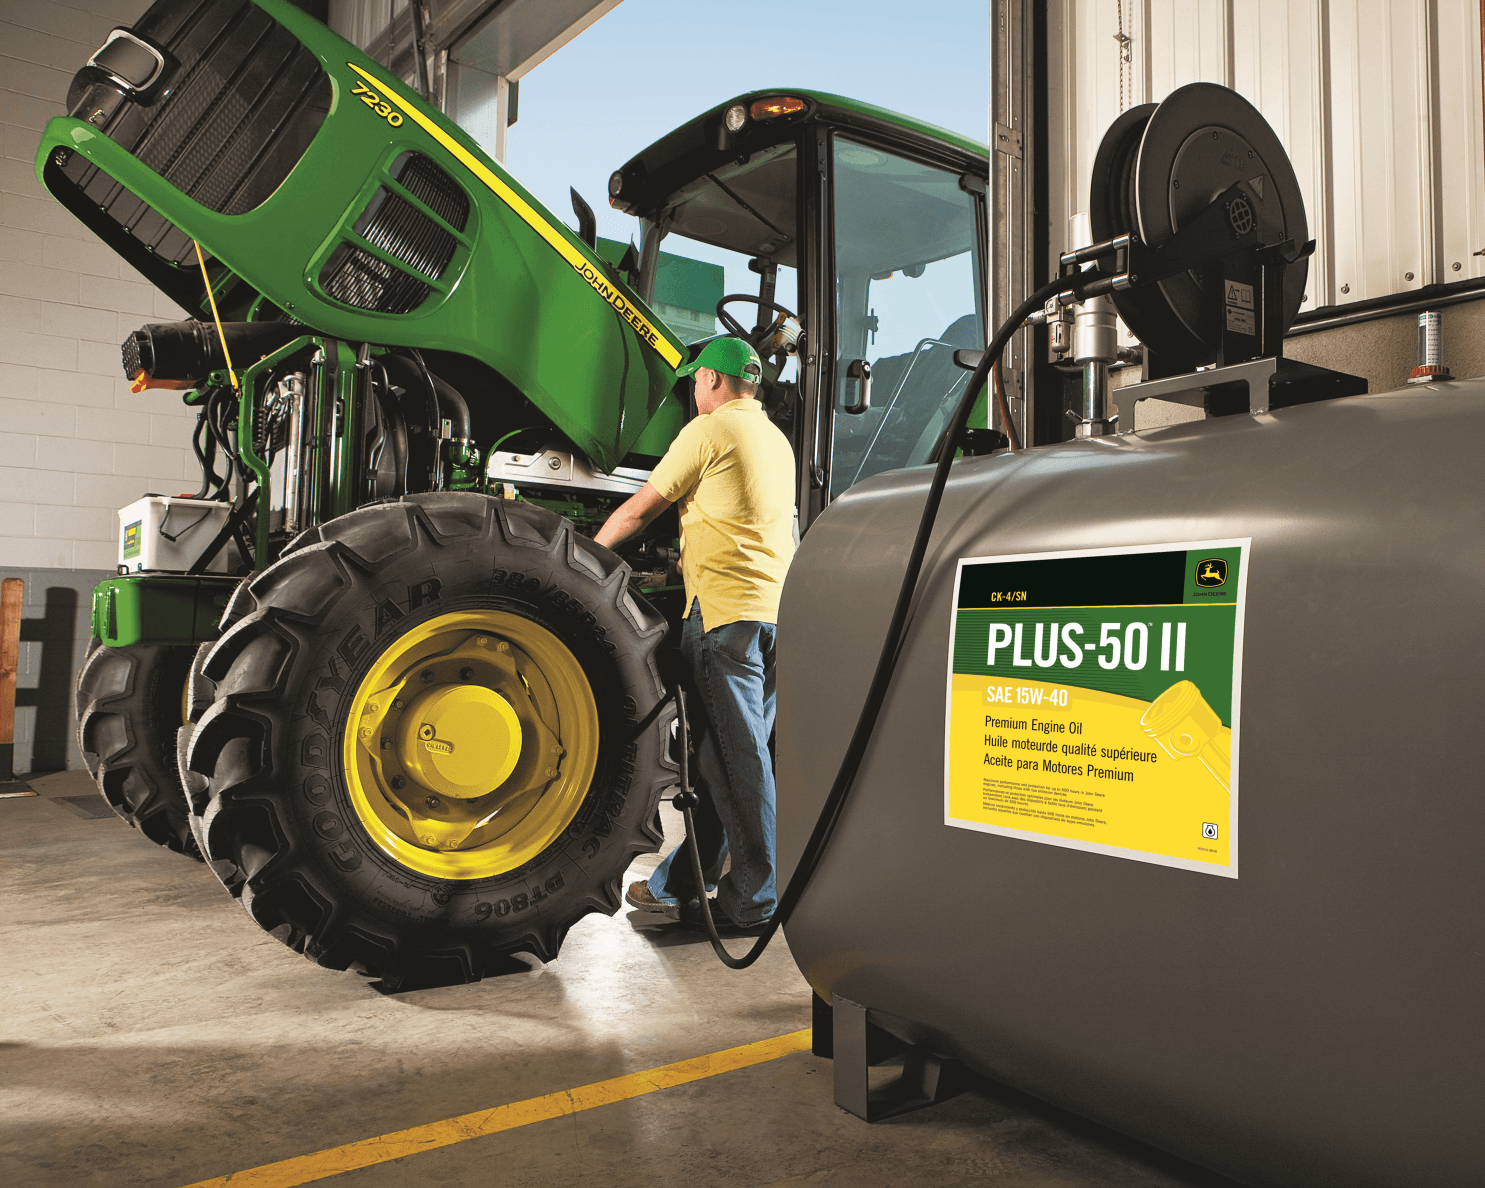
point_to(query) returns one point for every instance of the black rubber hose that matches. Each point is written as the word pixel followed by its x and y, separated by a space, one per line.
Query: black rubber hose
pixel 452 405
pixel 866 722
pixel 218 408
pixel 208 472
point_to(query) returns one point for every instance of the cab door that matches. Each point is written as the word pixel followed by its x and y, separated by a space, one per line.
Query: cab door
pixel 903 247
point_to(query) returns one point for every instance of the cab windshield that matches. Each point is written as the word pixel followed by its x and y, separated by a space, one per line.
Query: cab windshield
pixel 742 219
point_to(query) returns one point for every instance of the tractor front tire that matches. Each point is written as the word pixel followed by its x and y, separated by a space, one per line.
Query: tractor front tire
pixel 128 703
pixel 436 738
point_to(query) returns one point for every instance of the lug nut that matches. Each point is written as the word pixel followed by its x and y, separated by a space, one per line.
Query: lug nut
pixel 398 781
pixel 431 802
pixel 386 744
pixel 427 674
pixel 466 674
pixel 482 641
pixel 398 704
pixel 502 646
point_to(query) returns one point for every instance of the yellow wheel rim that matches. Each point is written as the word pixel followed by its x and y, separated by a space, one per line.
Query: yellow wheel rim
pixel 471 744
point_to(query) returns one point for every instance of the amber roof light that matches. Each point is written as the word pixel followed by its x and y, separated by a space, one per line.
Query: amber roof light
pixel 767 109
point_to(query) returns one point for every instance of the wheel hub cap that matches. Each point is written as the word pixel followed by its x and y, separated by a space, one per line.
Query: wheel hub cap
pixel 460 740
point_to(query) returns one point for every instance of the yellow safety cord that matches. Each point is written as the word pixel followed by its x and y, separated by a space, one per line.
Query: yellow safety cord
pixel 216 317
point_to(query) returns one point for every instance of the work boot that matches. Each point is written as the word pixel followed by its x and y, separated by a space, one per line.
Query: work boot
pixel 640 896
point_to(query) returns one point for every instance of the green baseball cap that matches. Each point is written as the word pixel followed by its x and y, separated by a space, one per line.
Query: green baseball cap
pixel 730 356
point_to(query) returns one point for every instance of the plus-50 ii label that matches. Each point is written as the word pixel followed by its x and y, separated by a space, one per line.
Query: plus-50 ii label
pixel 1093 701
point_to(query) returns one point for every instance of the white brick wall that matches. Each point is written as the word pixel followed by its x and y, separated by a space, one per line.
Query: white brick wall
pixel 75 445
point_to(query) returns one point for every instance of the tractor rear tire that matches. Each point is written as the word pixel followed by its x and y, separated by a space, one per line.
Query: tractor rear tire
pixel 128 703
pixel 311 779
pixel 199 695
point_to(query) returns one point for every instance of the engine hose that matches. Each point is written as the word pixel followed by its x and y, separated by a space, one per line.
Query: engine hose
pixel 207 472
pixel 876 695
pixel 218 406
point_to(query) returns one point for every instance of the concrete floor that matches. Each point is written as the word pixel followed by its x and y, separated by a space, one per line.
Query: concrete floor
pixel 152 1035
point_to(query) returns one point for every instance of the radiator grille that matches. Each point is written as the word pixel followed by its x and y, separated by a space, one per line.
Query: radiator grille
pixel 360 279
pixel 246 103
pixel 393 224
pixel 401 229
pixel 430 184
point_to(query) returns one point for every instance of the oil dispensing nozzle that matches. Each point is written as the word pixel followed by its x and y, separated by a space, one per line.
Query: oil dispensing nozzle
pixel 1185 726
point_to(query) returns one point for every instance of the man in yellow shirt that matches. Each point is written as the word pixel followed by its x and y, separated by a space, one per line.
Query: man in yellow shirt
pixel 733 473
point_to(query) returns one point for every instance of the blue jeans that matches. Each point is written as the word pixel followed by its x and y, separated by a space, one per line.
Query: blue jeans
pixel 733 672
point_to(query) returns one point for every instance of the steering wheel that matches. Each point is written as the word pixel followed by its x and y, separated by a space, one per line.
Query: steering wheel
pixel 733 326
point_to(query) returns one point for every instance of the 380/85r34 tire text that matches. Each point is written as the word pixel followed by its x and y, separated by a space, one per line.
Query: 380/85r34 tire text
pixel 437 737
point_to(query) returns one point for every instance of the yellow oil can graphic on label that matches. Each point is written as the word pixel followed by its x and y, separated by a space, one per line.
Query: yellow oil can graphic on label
pixel 1094 698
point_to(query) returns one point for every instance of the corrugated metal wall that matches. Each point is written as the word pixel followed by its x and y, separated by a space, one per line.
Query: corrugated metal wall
pixel 1378 103
pixel 362 21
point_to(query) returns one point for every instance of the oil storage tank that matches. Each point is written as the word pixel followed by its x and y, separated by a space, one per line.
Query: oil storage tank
pixel 1296 1001
pixel 1173 812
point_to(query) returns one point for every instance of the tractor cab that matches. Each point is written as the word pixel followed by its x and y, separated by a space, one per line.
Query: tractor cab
pixel 853 242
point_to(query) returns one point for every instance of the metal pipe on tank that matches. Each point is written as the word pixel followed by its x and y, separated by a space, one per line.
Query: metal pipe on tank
pixel 1430 363
pixel 1095 346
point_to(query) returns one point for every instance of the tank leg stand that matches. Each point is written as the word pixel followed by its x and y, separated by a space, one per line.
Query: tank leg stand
pixel 856 1044
pixel 822 1037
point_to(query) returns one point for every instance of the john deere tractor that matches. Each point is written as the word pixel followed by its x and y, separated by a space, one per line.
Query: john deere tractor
pixel 374 671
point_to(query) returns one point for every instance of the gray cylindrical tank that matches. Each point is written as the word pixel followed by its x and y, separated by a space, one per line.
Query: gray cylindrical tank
pixel 1316 1021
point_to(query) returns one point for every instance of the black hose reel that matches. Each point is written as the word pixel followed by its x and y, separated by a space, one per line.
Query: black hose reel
pixel 1201 179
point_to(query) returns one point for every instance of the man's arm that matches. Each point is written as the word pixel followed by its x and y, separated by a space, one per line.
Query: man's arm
pixel 632 515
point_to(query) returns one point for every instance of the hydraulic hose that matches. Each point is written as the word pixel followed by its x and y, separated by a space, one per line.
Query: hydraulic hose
pixel 876 695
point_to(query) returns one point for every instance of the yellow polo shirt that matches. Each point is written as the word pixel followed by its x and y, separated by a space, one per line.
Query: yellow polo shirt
pixel 732 472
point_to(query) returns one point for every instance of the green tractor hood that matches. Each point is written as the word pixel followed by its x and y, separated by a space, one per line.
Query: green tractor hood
pixel 323 191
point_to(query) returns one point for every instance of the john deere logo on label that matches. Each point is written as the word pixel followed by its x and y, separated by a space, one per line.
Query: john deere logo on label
pixel 131 539
pixel 1211 572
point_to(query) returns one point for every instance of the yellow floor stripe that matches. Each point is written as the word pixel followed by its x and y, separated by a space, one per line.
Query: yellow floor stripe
pixel 399 1144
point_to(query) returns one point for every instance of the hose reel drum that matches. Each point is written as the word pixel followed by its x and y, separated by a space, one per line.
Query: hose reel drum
pixel 1159 167
pixel 1201 247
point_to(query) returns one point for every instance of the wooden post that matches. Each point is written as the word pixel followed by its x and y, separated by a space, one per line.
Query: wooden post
pixel 11 592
